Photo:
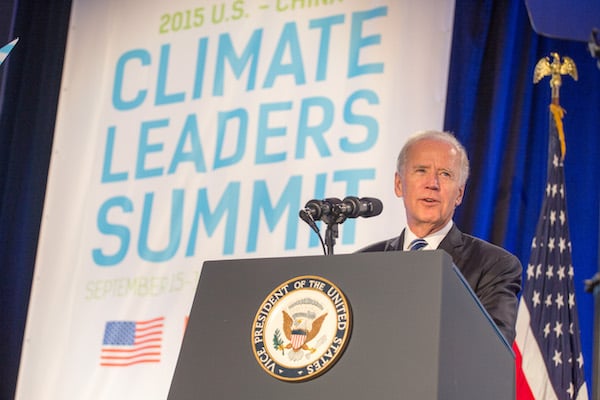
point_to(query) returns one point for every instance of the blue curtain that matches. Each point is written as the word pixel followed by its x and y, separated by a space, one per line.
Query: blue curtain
pixel 31 75
pixel 492 106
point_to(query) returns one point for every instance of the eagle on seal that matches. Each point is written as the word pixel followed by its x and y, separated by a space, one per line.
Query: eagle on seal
pixel 298 332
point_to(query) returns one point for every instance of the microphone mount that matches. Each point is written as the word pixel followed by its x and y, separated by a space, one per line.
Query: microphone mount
pixel 333 211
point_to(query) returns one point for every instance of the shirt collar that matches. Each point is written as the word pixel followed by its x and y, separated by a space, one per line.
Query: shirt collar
pixel 433 240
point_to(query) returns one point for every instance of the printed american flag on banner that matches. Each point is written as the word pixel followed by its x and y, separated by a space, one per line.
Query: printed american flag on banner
pixel 127 343
pixel 547 345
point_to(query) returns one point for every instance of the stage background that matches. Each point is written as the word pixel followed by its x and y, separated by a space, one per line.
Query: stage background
pixel 197 131
pixel 491 105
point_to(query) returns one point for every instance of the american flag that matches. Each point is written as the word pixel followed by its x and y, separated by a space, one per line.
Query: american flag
pixel 547 345
pixel 127 343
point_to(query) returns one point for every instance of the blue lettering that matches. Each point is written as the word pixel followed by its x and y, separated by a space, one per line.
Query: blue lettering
pixel 229 203
pixel 325 25
pixel 144 148
pixel 120 231
pixel 227 52
pixel 174 231
pixel 200 67
pixel 224 117
pixel 357 42
pixel 161 84
pixel 195 155
pixel 354 119
pixel 107 175
pixel 289 37
pixel 265 132
pixel 261 201
pixel 117 98
pixel 315 132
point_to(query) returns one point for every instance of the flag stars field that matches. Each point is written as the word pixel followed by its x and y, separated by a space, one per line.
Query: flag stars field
pixel 548 301
pixel 558 329
pixel 556 358
pixel 536 299
pixel 547 330
pixel 561 273
pixel 560 300
pixel 571 390
pixel 562 244
pixel 571 300
pixel 571 331
pixel 530 271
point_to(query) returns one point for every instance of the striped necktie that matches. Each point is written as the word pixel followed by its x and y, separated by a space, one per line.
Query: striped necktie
pixel 417 244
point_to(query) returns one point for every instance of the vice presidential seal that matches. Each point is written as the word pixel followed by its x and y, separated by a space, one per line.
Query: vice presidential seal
pixel 301 328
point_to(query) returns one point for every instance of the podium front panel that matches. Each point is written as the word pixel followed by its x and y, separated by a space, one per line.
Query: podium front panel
pixel 413 334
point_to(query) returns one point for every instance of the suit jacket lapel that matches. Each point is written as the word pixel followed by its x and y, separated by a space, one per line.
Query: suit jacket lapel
pixel 399 245
pixel 452 242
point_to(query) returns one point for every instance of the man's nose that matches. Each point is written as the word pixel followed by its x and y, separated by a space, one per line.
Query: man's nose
pixel 433 181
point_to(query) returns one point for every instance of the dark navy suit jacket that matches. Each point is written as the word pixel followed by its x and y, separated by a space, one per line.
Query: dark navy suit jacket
pixel 492 272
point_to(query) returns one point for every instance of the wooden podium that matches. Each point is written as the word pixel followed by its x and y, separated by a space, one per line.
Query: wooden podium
pixel 418 332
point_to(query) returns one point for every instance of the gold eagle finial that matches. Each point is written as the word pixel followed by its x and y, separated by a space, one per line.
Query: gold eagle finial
pixel 554 69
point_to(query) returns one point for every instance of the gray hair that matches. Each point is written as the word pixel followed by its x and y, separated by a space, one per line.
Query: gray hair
pixel 435 135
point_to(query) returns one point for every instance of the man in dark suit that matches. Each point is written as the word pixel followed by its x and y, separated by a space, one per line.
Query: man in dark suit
pixel 431 173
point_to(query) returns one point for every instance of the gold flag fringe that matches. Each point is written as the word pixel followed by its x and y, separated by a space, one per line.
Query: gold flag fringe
pixel 557 113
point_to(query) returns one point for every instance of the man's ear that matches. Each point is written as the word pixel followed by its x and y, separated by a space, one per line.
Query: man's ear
pixel 397 185
pixel 459 199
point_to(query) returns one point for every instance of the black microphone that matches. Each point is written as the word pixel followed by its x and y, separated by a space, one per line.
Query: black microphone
pixel 353 207
pixel 318 209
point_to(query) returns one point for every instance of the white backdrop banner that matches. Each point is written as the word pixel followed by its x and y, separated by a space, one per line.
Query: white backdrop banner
pixel 195 130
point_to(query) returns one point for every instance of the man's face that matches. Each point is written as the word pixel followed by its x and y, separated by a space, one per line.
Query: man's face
pixel 430 186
